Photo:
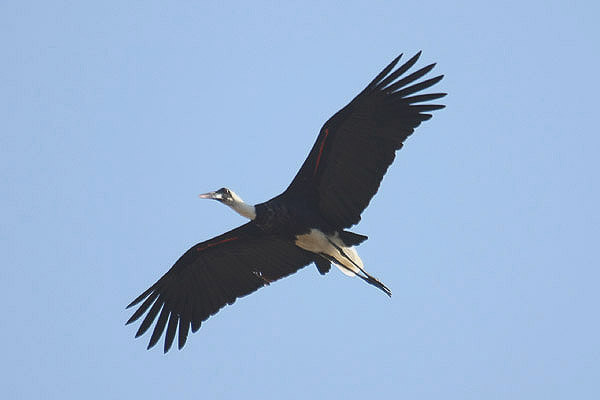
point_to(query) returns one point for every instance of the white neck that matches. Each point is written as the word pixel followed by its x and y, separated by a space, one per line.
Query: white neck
pixel 245 210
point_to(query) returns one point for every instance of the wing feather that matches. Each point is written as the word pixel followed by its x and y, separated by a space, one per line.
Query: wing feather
pixel 356 146
pixel 211 275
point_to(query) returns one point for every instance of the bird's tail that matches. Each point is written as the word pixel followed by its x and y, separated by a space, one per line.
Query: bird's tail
pixel 351 238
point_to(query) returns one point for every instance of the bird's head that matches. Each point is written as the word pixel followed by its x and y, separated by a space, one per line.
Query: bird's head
pixel 224 195
pixel 231 199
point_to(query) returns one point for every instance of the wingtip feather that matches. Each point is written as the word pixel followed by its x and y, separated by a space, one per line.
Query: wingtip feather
pixel 139 298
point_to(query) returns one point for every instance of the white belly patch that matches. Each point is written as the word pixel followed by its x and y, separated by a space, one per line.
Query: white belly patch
pixel 317 242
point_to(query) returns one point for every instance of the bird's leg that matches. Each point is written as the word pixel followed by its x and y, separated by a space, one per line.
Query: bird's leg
pixel 367 278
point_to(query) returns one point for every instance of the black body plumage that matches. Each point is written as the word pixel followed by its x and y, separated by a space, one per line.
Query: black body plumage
pixel 334 185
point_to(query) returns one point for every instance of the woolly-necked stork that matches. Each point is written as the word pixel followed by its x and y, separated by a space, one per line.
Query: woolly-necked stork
pixel 306 223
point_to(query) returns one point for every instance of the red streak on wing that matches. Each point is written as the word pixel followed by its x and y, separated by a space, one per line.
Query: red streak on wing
pixel 321 151
pixel 206 246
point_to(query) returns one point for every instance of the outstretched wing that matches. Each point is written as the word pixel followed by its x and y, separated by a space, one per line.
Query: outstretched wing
pixel 356 146
pixel 211 275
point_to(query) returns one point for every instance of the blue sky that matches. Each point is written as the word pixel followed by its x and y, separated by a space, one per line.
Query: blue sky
pixel 113 117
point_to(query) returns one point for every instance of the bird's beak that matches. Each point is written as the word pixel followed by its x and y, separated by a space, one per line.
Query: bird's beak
pixel 211 195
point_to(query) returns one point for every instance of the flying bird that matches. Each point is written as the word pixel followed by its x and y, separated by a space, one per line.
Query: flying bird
pixel 305 224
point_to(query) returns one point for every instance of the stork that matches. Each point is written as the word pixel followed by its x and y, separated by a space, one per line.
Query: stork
pixel 305 224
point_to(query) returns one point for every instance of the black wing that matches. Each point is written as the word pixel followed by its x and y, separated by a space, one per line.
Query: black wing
pixel 357 145
pixel 211 275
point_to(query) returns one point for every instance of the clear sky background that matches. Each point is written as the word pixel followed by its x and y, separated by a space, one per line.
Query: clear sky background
pixel 113 117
